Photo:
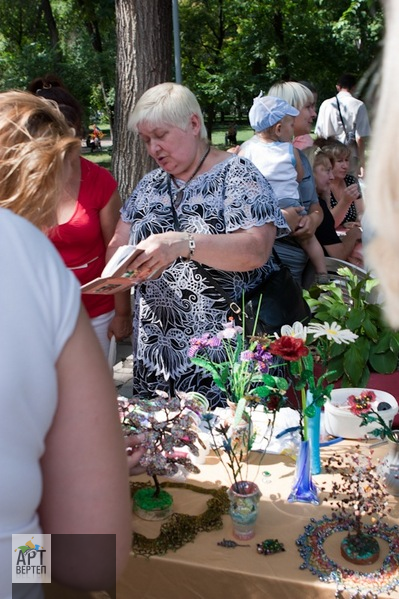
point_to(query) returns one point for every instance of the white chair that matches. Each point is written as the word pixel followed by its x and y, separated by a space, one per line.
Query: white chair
pixel 334 264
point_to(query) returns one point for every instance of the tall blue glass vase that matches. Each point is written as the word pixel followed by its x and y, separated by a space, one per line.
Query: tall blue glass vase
pixel 313 430
pixel 303 489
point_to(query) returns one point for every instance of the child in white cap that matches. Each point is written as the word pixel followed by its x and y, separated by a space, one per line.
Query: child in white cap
pixel 272 152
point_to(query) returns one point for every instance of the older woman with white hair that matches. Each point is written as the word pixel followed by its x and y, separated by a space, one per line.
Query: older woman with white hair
pixel 289 249
pixel 202 205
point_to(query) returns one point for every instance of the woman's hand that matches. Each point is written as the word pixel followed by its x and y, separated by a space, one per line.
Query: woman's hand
pixel 354 234
pixel 306 227
pixel 241 250
pixel 352 241
pixel 134 452
pixel 351 193
pixel 292 216
pixel 160 251
pixel 120 327
pixel 352 224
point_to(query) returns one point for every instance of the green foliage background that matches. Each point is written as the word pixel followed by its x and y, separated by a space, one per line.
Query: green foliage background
pixel 231 49
pixel 79 46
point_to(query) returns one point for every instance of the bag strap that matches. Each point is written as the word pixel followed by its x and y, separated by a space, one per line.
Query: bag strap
pixel 234 307
pixel 342 119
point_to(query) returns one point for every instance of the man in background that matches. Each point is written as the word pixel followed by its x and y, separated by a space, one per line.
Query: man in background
pixel 345 118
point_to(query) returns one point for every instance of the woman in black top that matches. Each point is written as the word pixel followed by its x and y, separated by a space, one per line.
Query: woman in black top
pixel 334 245
pixel 345 201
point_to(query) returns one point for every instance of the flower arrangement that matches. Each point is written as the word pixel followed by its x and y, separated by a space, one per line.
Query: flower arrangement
pixel 363 406
pixel 246 371
pixel 243 371
pixel 303 347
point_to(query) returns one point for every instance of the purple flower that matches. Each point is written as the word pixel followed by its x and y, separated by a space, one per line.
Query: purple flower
pixel 263 357
pixel 198 343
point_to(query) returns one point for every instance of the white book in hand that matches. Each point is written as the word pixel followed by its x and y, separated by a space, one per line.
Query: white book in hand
pixel 115 278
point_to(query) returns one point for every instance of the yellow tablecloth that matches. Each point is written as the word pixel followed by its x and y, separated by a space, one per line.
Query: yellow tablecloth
pixel 204 570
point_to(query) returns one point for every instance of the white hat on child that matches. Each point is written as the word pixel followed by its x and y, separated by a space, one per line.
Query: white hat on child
pixel 266 111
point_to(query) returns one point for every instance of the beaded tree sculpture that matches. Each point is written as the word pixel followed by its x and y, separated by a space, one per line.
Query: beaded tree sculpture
pixel 169 424
pixel 358 493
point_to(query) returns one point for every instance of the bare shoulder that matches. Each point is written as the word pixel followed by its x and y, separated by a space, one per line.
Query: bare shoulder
pixel 216 156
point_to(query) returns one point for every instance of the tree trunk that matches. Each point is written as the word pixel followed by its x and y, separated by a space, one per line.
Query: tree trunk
pixel 52 28
pixel 144 59
pixel 91 24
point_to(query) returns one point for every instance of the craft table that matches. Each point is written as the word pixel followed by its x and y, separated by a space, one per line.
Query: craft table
pixel 204 570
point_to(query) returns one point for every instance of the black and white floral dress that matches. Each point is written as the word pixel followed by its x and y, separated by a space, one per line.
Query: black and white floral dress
pixel 180 304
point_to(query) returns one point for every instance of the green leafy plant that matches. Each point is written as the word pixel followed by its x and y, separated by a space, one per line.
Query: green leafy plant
pixel 349 303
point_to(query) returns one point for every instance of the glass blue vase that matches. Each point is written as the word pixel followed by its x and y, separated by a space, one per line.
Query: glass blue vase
pixel 313 430
pixel 303 489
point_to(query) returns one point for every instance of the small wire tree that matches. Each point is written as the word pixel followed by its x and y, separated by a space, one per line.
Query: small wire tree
pixel 358 493
pixel 169 424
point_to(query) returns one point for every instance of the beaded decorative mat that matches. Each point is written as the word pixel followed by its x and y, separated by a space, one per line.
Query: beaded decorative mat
pixel 180 529
pixel 311 546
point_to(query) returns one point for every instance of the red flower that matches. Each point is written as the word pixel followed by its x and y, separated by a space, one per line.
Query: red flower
pixel 274 403
pixel 289 348
pixel 361 404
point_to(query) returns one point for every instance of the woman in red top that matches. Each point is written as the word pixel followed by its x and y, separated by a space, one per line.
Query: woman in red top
pixel 87 214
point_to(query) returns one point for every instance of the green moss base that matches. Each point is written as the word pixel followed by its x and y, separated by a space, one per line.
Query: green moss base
pixel 149 507
pixel 145 499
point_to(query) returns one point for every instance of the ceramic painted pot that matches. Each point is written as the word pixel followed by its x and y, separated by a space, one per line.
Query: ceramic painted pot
pixel 339 420
pixel 244 503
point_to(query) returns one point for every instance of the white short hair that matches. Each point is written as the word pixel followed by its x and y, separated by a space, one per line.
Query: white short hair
pixel 167 103
pixel 294 93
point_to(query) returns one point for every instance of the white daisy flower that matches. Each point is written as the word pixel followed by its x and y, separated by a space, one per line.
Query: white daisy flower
pixel 333 332
pixel 297 330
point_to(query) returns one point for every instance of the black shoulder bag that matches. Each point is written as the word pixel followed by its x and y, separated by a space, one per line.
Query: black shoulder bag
pixel 282 301
pixel 281 296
